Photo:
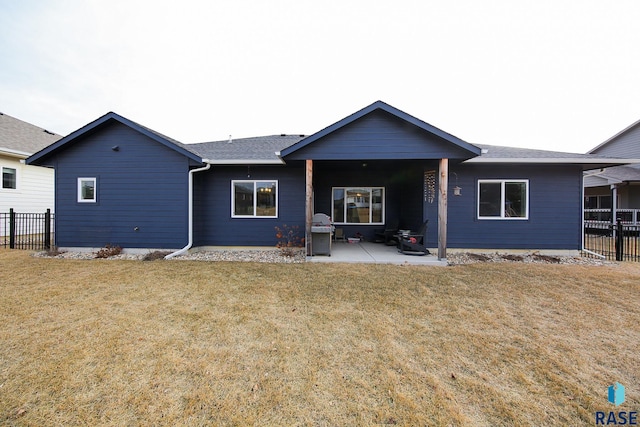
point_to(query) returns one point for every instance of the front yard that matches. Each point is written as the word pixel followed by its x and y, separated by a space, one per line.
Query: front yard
pixel 106 342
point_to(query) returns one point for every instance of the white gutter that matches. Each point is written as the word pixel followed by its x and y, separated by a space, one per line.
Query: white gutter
pixel 190 242
pixel 556 160
pixel 248 162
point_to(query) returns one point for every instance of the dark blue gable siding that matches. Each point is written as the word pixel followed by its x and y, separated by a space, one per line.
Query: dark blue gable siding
pixel 379 135
pixel 214 225
pixel 554 209
pixel 142 192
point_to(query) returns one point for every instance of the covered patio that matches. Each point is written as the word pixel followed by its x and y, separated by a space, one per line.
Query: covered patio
pixel 397 164
pixel 374 253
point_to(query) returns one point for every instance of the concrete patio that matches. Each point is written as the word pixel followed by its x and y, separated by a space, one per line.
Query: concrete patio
pixel 374 253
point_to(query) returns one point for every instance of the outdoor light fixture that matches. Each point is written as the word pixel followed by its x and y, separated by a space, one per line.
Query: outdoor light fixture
pixel 457 191
pixel 116 148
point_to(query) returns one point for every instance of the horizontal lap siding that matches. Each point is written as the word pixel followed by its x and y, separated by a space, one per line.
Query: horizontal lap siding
pixel 554 209
pixel 143 185
pixel 625 145
pixel 214 225
pixel 379 135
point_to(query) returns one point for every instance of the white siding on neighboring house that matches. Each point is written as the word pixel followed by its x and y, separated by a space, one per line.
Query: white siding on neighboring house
pixel 34 192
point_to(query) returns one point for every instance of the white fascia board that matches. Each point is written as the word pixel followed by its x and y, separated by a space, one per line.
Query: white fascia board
pixel 14 153
pixel 245 162
pixel 553 160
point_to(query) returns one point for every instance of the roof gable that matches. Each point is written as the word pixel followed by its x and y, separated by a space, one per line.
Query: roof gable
pixel 96 125
pixel 380 131
pixel 625 143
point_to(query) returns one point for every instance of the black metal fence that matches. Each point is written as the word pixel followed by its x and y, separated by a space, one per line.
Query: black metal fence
pixel 32 231
pixel 619 242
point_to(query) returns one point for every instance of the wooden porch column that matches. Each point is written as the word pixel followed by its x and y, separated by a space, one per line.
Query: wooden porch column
pixel 308 207
pixel 442 209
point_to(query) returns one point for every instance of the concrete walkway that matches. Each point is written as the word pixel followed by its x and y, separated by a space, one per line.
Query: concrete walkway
pixel 374 253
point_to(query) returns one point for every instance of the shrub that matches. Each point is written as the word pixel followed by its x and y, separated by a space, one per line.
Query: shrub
pixel 152 256
pixel 53 251
pixel 109 251
pixel 289 239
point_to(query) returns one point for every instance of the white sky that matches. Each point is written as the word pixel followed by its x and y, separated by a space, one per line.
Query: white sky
pixel 550 74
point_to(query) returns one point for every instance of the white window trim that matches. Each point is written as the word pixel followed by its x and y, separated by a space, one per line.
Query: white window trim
pixel 255 198
pixel 384 210
pixel 95 190
pixel 502 216
pixel 17 178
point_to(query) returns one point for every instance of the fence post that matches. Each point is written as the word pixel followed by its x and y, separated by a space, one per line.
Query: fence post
pixel 12 229
pixel 47 229
pixel 619 242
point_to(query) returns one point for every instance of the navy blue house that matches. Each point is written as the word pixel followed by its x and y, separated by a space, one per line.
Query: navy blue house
pixel 120 183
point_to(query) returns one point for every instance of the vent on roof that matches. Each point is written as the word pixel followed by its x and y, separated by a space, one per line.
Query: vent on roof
pixel 283 134
pixel 301 136
pixel 230 140
pixel 50 133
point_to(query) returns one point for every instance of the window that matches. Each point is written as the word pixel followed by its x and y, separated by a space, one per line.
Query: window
pixel 251 199
pixel 358 205
pixel 9 180
pixel 597 202
pixel 503 199
pixel 86 190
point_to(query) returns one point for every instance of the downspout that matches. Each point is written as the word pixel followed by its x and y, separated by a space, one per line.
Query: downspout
pixel 582 224
pixel 190 242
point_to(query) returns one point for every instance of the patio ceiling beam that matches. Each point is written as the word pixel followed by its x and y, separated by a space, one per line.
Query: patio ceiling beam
pixel 442 209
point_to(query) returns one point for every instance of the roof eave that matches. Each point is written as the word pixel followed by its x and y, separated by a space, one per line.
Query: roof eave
pixel 245 162
pixel 587 164
pixel 553 161
pixel 14 153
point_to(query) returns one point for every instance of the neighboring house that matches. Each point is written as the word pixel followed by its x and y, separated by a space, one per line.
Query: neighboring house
pixel 24 188
pixel 118 182
pixel 615 187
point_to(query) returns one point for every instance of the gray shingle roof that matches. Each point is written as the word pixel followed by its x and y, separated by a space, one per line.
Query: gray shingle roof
pixel 260 149
pixel 499 152
pixel 622 174
pixel 19 136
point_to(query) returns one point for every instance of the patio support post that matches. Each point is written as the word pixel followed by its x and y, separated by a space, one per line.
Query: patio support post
pixel 308 209
pixel 442 209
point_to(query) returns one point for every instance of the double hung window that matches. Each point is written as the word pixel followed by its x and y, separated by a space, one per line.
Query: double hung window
pixel 503 199
pixel 9 178
pixel 254 199
pixel 357 205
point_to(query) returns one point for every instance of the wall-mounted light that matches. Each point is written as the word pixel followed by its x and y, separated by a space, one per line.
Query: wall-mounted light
pixel 116 148
pixel 457 191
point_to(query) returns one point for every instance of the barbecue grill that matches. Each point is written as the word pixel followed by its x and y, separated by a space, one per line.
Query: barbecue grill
pixel 321 229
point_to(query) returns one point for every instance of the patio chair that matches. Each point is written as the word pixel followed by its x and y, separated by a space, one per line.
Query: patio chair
pixel 386 235
pixel 413 243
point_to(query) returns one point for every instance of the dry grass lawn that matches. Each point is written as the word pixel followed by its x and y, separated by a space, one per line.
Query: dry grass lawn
pixel 129 343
